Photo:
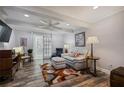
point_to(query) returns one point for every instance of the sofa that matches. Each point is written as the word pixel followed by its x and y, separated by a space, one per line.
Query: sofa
pixel 76 62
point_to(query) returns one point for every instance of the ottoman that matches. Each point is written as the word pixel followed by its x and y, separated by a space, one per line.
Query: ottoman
pixel 117 77
pixel 58 63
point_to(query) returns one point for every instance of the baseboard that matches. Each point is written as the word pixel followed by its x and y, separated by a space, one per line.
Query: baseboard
pixel 104 70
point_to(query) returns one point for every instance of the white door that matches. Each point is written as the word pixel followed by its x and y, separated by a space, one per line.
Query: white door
pixel 38 46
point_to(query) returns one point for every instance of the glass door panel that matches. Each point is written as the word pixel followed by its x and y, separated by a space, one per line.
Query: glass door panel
pixel 38 46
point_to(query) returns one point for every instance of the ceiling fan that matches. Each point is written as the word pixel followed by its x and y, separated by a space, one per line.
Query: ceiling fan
pixel 51 25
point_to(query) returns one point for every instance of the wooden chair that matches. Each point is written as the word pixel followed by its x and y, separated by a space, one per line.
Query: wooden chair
pixel 24 58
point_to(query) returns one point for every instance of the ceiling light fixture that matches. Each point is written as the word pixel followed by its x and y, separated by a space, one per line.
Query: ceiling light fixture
pixel 67 24
pixel 95 7
pixel 26 15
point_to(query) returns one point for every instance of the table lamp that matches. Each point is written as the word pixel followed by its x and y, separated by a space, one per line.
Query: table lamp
pixel 66 46
pixel 19 50
pixel 92 40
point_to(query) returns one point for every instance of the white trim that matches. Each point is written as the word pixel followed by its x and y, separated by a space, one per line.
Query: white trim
pixel 104 70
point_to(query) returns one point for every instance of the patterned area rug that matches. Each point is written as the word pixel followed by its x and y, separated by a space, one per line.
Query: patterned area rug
pixel 78 80
pixel 54 76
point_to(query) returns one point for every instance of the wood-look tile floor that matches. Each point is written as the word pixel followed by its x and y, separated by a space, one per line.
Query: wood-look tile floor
pixel 30 76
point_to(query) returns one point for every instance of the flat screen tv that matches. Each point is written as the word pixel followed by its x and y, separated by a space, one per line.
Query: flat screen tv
pixel 5 32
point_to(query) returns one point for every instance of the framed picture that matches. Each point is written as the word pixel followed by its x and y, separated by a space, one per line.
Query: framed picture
pixel 80 39
pixel 23 42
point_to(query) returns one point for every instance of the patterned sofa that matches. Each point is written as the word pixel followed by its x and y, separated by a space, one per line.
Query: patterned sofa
pixel 75 62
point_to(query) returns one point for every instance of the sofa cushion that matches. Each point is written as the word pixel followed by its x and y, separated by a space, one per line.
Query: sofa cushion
pixel 79 58
pixel 58 59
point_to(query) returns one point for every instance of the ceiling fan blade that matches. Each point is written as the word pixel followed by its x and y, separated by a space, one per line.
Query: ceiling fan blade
pixel 42 26
pixel 57 23
pixel 63 29
pixel 45 27
pixel 44 22
pixel 49 22
pixel 57 27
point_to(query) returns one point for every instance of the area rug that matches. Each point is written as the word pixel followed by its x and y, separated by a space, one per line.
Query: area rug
pixel 54 76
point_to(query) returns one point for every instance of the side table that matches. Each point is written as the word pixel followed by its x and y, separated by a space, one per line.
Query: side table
pixel 94 60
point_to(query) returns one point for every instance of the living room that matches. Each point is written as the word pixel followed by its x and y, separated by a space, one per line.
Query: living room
pixel 93 35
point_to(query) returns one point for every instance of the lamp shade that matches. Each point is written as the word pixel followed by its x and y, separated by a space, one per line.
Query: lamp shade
pixel 19 50
pixel 66 46
pixel 92 40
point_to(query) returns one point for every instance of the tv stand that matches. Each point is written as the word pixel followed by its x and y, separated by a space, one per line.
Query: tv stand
pixel 9 64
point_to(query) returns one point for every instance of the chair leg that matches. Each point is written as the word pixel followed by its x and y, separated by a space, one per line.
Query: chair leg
pixel 21 64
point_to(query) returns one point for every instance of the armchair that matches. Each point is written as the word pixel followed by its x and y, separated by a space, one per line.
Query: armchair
pixel 23 56
pixel 58 52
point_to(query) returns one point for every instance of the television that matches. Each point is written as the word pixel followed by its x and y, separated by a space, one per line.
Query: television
pixel 5 32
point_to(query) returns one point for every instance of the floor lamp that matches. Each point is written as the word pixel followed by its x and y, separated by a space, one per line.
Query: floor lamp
pixel 92 40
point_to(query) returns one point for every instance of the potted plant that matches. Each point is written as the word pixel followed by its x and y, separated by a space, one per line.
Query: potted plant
pixel 30 51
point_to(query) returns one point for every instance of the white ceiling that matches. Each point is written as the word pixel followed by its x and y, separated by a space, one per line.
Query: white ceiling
pixel 14 16
pixel 79 17
pixel 86 13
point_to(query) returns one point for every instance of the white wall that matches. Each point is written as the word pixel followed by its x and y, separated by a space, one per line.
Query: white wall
pixel 11 43
pixel 111 41
pixel 70 39
pixel 15 40
pixel 23 34
pixel 57 41
pixel 1 44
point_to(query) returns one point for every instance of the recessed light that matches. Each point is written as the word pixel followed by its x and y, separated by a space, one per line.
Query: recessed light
pixel 95 7
pixel 67 24
pixel 26 15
